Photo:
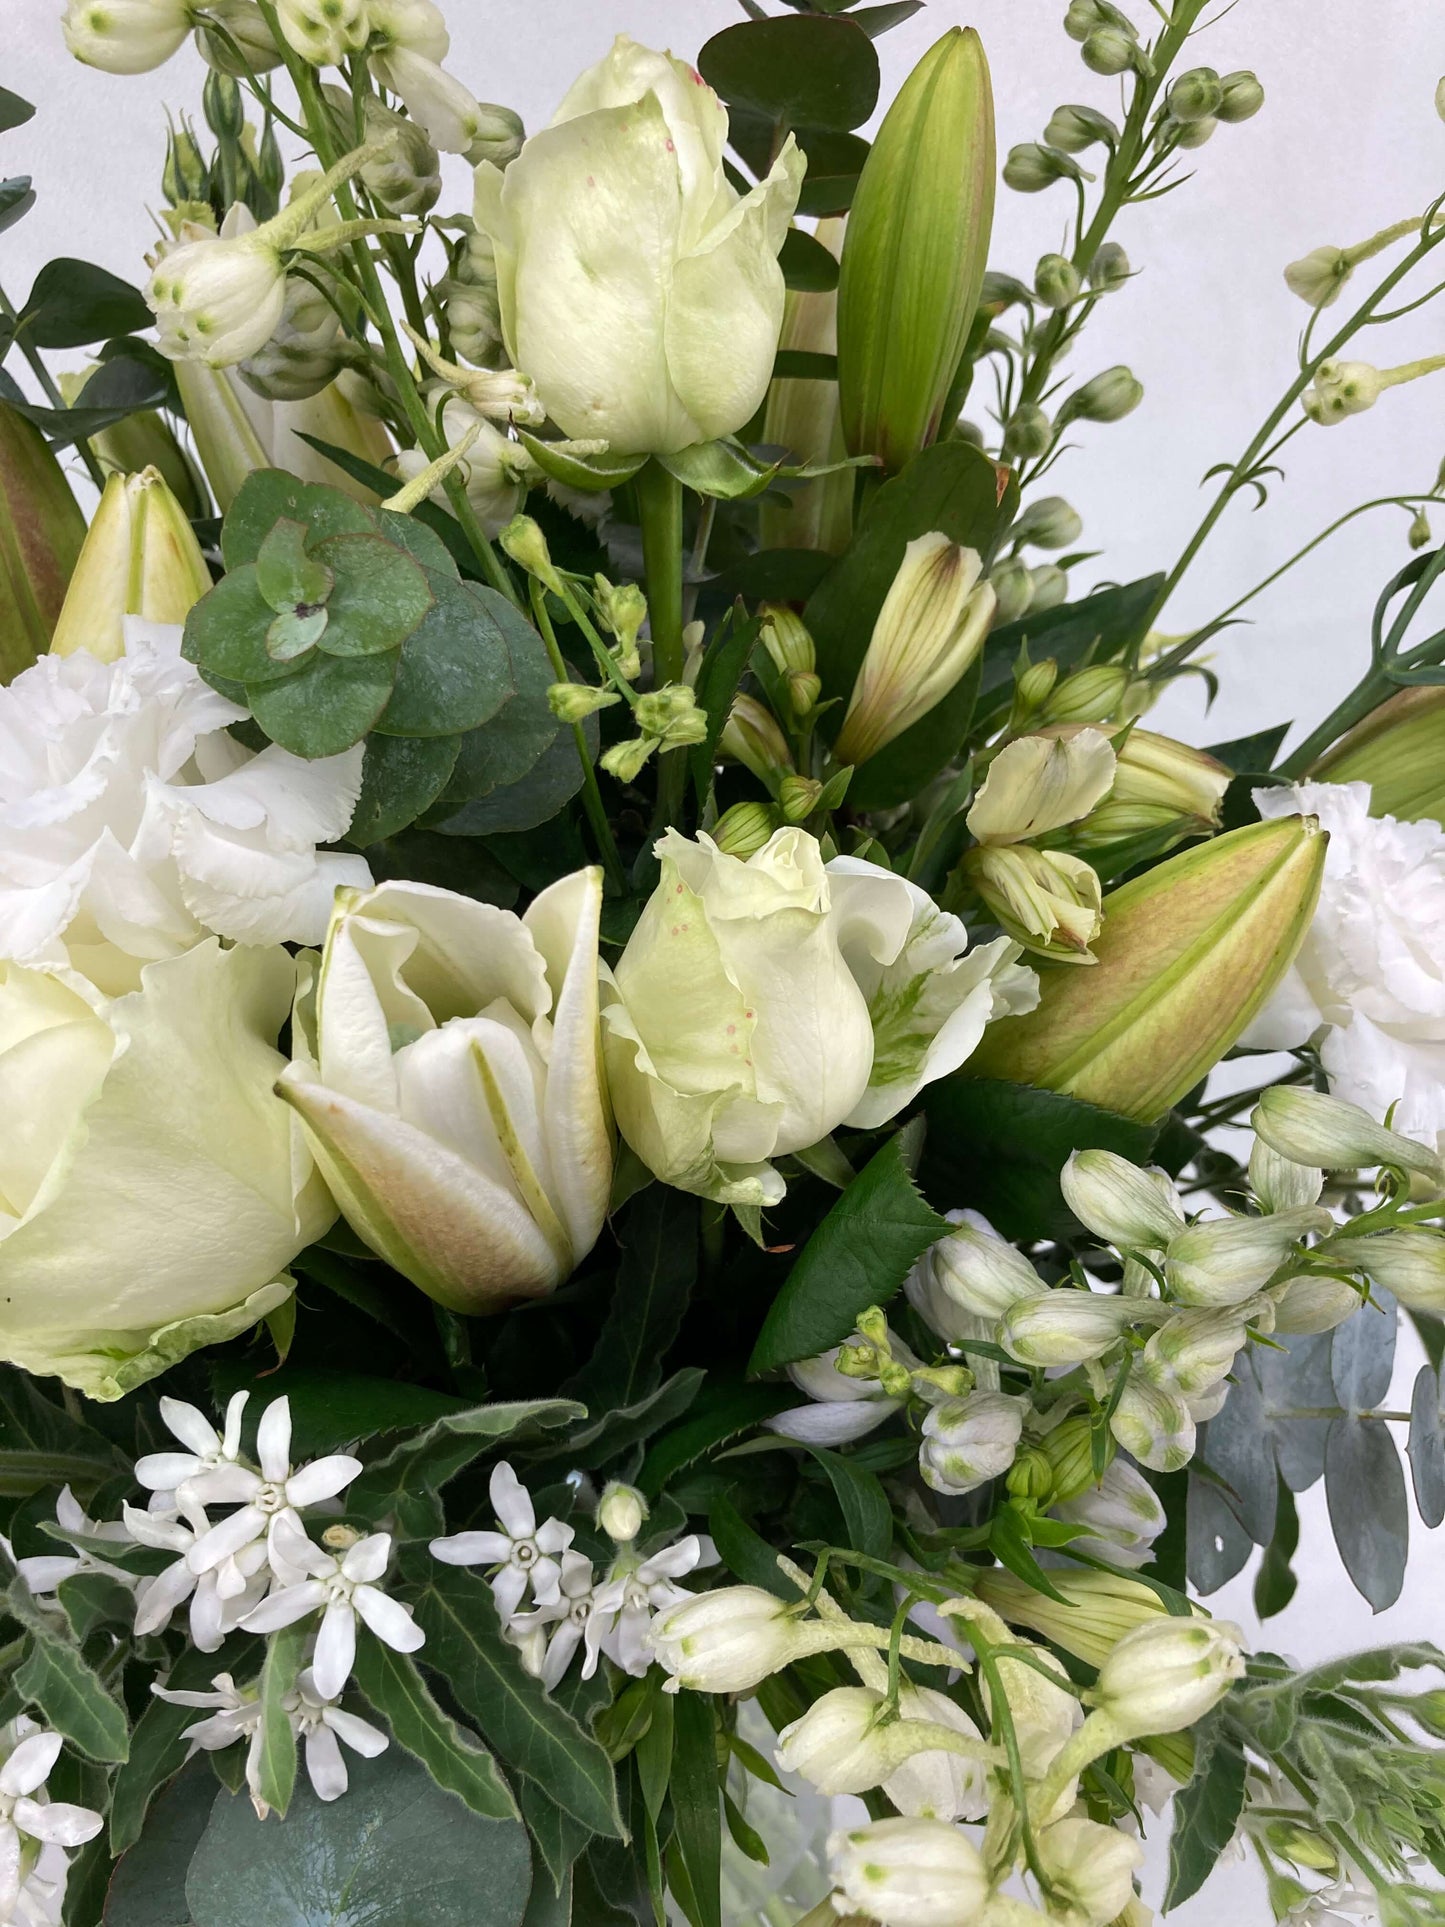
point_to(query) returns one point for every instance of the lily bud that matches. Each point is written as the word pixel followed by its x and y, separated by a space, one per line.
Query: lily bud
pixel 1399 750
pixel 1033 685
pixel 913 264
pixel 785 637
pixel 1280 1183
pixel 1040 783
pixel 1241 96
pixel 622 1512
pixel 1227 1260
pixel 140 558
pixel 1057 282
pixel 1125 1206
pixel 905 1873
pixel 730 1640
pixel 1066 1327
pixel 1165 1675
pixel 1106 398
pixel 798 797
pixel 1188 955
pixel 805 418
pixel 933 622
pixel 1408 1261
pixel 41 532
pixel 222 428
pixel 1048 523
pixel 1089 1868
pixel 1031 168
pixel 1097 1610
pixel 1027 433
pixel 1311 1128
pixel 752 737
pixel 981 1272
pixel 1072 129
pixel 323 32
pixel 1089 696
pixel 1109 269
pixel 968 1441
pixel 744 829
pixel 1047 899
pixel 125 36
pixel 1159 785
pixel 239 41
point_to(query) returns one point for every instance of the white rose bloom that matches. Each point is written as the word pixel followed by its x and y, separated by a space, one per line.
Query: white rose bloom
pixel 1372 969
pixel 153 1189
pixel 638 289
pixel 131 823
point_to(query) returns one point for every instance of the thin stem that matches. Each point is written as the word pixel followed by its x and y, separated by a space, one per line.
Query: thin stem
pixel 659 497
pixel 591 794
pixel 53 394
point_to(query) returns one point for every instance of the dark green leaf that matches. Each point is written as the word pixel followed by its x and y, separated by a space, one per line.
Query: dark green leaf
pixel 401 776
pixel 619 1430
pixel 719 1414
pixel 122 387
pixel 859 1256
pixel 285 574
pixel 866 1512
pixel 1206 1812
pixel 697 1814
pixel 397 1691
pixel 1254 753
pixel 75 302
pixel 776 575
pixel 654 1282
pixel 1010 1544
pixel 332 1410
pixel 745 1553
pixel 14 112
pixel 395 1849
pixel 270 495
pixel 57 1678
pixel 156 1747
pixel 418 538
pixel 1427 1447
pixel 291 635
pixel 380 595
pixel 530 800
pixel 530 1729
pixel 148 1888
pixel 723 665
pixel 556 1836
pixel 326 705
pixel 892 13
pixel 275 1756
pixel 404 1480
pixel 807 265
pixel 802 364
pixel 17 197
pixel 517 770
pixel 92 1599
pixel 455 669
pixel 803 72
pixel 1000 1147
pixel 228 629
pixel 36 1432
pixel 1369 1514
pixel 1275 1583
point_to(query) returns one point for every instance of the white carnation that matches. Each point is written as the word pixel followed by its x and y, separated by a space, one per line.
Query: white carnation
pixel 1372 968
pixel 131 821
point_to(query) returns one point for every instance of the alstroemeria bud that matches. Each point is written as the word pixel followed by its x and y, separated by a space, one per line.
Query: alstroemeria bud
pixel 125 36
pixel 910 1873
pixel 1154 1422
pixel 1195 1351
pixel 622 1512
pixel 1033 685
pixel 1040 783
pixel 406 179
pixel 981 1272
pixel 1399 750
pixel 1122 1512
pixel 1012 583
pixel 1027 433
pixel 140 558
pixel 913 263
pixel 1308 1305
pixel 1089 696
pixel 1227 1260
pixel 1047 899
pixel 1050 587
pixel 1031 168
pixel 1189 953
pixel 1109 51
pixel 1105 398
pixel 524 542
pixel 1066 1327
pixel 234 39
pixel 1096 1611
pixel 1312 1128
pixel 798 797
pixel 968 1441
pixel 1090 1869
pixel 1109 269
pixel 1121 1203
pixel 1280 1183
pixel 933 623
pixel 1057 282
pixel 323 32
pixel 1048 523
pixel 1241 96
pixel 744 829
pixel 1068 1451
pixel 1408 1261
pixel 41 533
pixel 1159 785
pixel 752 737
pixel 1072 129
pixel 1165 1675
pixel 730 1640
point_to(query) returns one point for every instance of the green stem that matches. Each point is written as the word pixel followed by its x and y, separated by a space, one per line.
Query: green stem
pixel 52 393
pixel 659 497
pixel 591 794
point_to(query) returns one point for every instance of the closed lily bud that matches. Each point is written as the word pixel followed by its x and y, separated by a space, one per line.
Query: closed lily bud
pixel 1408 1261
pixel 1121 1203
pixel 1057 282
pixel 910 1873
pixel 981 1272
pixel 323 32
pixel 41 532
pixel 1227 1260
pixel 1047 899
pixel 968 1441
pixel 1311 1128
pixel 1109 269
pixel 1399 750
pixel 221 425
pixel 1241 96
pixel 1048 523
pixel 1027 433
pixel 622 1512
pixel 731 1640
pixel 1066 1327
pixel 1166 1674
pixel 1105 398
pixel 1072 129
pixel 1188 955
pixel 1280 1183
pixel 1096 1611
pixel 1090 1868
pixel 913 263
pixel 933 623
pixel 1089 696
pixel 1038 784
pixel 125 36
pixel 752 737
pixel 744 829
pixel 140 558
pixel 1031 168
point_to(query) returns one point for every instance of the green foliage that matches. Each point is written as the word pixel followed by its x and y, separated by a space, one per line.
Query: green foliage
pixel 804 71
pixel 58 1679
pixel 1207 1811
pixel 393 1684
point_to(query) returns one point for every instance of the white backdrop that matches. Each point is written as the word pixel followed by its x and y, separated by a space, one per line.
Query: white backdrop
pixel 1347 142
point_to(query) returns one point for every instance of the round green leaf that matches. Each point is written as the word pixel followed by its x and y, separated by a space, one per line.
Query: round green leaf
pixel 286 575
pixel 394 1849
pixel 455 670
pixel 227 630
pixel 270 494
pixel 400 777
pixel 380 597
pixel 806 71
pixel 293 635
pixel 327 705
pixel 413 535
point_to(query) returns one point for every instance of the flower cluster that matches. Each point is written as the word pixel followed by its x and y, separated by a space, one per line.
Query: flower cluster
pixel 30 1822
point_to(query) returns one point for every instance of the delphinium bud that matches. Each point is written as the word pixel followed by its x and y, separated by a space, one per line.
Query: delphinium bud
pixel 1050 587
pixel 1109 50
pixel 1013 588
pixel 1109 269
pixel 1048 523
pixel 1057 281
pixel 1072 129
pixel 1195 95
pixel 1241 96
pixel 1031 168
pixel 1108 397
pixel 1027 433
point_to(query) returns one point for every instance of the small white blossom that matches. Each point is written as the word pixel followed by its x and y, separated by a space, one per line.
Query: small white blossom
pixel 320 1724
pixel 625 1604
pixel 277 1491
pixel 26 1815
pixel 220 1597
pixel 44 1571
pixel 525 1553
pixel 234 1713
pixel 342 1588
pixel 560 1626
pixel 206 1448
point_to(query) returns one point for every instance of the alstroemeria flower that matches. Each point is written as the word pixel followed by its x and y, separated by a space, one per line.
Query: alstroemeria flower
pixel 526 1553
pixel 266 1497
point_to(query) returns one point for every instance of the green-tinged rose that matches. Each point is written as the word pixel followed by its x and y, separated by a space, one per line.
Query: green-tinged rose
pixel 639 290
pixel 153 1189
pixel 455 1100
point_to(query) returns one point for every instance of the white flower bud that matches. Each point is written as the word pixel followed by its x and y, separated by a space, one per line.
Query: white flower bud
pixel 910 1873
pixel 1109 269
pixel 414 24
pixel 1048 523
pixel 621 1512
pixel 1120 1202
pixel 1031 168
pixel 1192 133
pixel 730 1640
pixel 1027 433
pixel 1050 587
pixel 1408 1261
pixel 968 1441
pixel 323 32
pixel 933 1784
pixel 1057 281
pixel 1341 389
pixel 1311 1128
pixel 1154 1423
pixel 1279 1183
pixel 1318 277
pixel 1109 50
pixel 1241 96
pixel 1195 95
pixel 1167 1674
pixel 1092 1614
pixel 1123 1514
pixel 1440 98
pixel 1227 1260
pixel 752 737
pixel 1108 397
pixel 1049 900
pixel 1090 1869
pixel 125 36
pixel 981 1272
pixel 847 1741
pixel 1013 589
pixel 1066 1327
pixel 1195 1351
pixel 1309 1305
pixel 1072 129
pixel 232 38
pixel 1037 784
pixel 1090 695
pixel 218 299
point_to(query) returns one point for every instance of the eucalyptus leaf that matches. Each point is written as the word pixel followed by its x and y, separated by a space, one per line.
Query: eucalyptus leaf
pixel 1427 1447
pixel 1218 1546
pixel 1362 1355
pixel 455 668
pixel 401 777
pixel 285 574
pixel 1369 1515
pixel 326 704
pixel 809 71
pixel 17 197
pixel 271 495
pixel 1237 1445
pixel 380 594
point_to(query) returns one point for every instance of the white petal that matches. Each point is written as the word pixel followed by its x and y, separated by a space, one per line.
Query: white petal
pixel 191 1426
pixel 389 1620
pixel 66 1825
pixel 836 1423
pixel 273 1440
pixel 335 1649
pixel 322 1479
pixel 512 1502
pixel 29 1765
pixel 159 1597
pixel 284 1608
pixel 553 1537
pixel 507 1589
pixel 226 1539
pixel 368 1558
pixel 472 1549
pixel 235 1410
pixel 164 1471
pixel 325 1767
pixel 360 1735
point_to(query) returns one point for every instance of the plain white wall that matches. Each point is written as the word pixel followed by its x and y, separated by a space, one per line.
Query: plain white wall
pixel 1348 141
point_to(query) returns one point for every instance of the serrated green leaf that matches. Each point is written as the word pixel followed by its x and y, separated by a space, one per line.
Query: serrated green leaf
pixel 393 1684
pixel 859 1256
pixel 555 1835
pixel 719 1414
pixel 403 1481
pixel 275 1753
pixel 617 1431
pixel 57 1678
pixel 92 1599
pixel 1206 1812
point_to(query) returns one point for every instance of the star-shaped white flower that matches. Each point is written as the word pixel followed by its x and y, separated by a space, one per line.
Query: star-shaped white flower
pixel 342 1588
pixel 25 1813
pixel 266 1496
pixel 233 1714
pixel 525 1553
pixel 563 1623
pixel 220 1597
pixel 44 1571
pixel 206 1448
pixel 625 1604
pixel 321 1725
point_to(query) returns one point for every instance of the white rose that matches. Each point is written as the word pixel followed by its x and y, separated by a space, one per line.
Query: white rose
pixel 132 823
pixel 638 289
pixel 1372 968
pixel 153 1189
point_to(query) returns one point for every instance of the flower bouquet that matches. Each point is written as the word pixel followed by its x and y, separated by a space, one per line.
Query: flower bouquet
pixel 630 1288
